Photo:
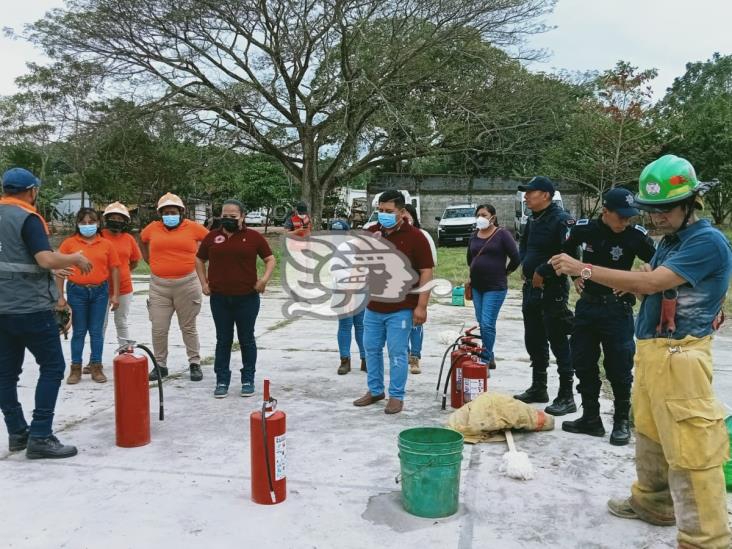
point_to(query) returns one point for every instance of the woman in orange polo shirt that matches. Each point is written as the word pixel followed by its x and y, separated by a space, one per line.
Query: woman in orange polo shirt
pixel 89 294
pixel 116 230
pixel 169 246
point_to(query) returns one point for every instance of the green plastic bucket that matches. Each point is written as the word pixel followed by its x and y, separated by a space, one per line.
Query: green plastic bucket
pixel 728 465
pixel 430 464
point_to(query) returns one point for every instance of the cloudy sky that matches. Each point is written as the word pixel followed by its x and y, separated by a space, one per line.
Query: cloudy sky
pixel 589 34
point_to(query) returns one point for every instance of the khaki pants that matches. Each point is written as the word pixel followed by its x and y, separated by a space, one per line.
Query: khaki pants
pixel 681 442
pixel 120 318
pixel 182 296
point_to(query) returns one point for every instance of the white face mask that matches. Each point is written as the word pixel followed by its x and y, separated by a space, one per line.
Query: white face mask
pixel 483 223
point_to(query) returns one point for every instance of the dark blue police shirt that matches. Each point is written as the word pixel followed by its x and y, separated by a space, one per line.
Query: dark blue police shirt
pixel 544 236
pixel 601 246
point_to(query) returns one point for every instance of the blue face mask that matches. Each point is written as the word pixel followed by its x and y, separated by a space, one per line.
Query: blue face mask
pixel 387 220
pixel 171 220
pixel 87 230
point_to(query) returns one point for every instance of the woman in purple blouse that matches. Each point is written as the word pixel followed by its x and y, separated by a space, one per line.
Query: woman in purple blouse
pixel 492 256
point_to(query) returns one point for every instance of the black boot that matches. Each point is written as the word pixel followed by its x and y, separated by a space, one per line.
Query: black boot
pixel 196 373
pixel 537 391
pixel 48 448
pixel 18 441
pixel 590 422
pixel 621 426
pixel 154 373
pixel 564 403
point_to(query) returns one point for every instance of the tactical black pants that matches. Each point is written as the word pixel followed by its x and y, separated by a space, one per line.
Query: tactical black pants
pixel 548 322
pixel 608 326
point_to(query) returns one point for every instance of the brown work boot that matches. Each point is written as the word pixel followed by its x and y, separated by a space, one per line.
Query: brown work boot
pixel 74 375
pixel 393 406
pixel 86 369
pixel 97 374
pixel 345 366
pixel 363 365
pixel 367 399
pixel 414 365
pixel 622 508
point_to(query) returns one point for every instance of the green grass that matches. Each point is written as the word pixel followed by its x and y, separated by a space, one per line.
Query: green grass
pixel 142 268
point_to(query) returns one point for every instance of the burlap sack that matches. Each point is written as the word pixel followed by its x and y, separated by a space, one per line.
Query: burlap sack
pixel 485 418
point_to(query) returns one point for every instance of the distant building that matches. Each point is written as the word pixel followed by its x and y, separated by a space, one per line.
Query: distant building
pixel 435 192
pixel 69 204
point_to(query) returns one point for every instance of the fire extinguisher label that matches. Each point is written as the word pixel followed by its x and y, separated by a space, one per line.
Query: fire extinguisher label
pixel 280 460
pixel 472 388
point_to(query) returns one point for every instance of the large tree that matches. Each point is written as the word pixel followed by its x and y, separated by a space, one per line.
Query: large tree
pixel 610 136
pixel 364 82
pixel 697 118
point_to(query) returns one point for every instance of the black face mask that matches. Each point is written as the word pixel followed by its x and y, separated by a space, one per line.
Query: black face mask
pixel 116 226
pixel 229 224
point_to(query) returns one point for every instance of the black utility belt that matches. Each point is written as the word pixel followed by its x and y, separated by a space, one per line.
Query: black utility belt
pixel 607 299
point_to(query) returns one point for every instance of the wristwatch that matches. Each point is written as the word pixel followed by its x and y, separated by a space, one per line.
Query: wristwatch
pixel 586 272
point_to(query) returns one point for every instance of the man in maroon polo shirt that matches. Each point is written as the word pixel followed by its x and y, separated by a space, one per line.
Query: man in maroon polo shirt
pixel 391 323
pixel 231 280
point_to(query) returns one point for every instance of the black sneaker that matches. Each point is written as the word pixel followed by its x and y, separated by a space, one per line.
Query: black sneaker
pixel 196 373
pixel 562 406
pixel 48 448
pixel 586 425
pixel 154 373
pixel 18 441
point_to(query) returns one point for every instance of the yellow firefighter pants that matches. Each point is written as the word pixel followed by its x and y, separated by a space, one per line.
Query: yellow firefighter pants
pixel 681 441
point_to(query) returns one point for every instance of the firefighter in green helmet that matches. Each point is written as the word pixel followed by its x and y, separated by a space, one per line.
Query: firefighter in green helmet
pixel 681 439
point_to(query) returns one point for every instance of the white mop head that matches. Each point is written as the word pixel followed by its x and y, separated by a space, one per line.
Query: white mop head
pixel 517 465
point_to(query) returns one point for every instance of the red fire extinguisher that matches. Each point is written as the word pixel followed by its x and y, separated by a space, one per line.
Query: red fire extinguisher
pixel 267 442
pixel 456 377
pixel 475 378
pixel 132 396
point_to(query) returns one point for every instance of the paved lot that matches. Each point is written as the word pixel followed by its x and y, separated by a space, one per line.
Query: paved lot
pixel 190 486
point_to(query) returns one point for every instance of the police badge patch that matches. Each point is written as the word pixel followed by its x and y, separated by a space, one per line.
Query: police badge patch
pixel 616 252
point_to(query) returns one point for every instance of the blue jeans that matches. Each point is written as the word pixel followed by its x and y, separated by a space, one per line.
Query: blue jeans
pixel 392 329
pixel 37 332
pixel 88 311
pixel 416 336
pixel 240 311
pixel 344 334
pixel 487 306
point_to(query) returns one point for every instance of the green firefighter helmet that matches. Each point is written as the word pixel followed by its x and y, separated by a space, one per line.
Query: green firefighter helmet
pixel 666 181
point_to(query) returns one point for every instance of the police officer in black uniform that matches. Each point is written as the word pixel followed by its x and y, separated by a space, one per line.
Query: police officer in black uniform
pixel 603 317
pixel 547 318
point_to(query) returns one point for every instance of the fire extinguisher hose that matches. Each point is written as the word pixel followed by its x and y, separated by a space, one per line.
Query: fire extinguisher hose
pixel 266 448
pixel 442 366
pixel 161 415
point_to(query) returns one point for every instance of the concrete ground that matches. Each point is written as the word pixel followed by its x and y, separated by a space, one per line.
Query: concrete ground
pixel 190 487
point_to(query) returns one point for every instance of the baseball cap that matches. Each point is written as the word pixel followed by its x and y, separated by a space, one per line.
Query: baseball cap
pixel 538 183
pixel 19 179
pixel 620 201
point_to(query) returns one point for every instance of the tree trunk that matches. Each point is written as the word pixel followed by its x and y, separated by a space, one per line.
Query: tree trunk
pixel 312 191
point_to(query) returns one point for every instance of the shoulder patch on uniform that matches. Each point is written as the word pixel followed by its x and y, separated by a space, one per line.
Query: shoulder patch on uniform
pixel 641 228
pixel 570 221
pixel 581 222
